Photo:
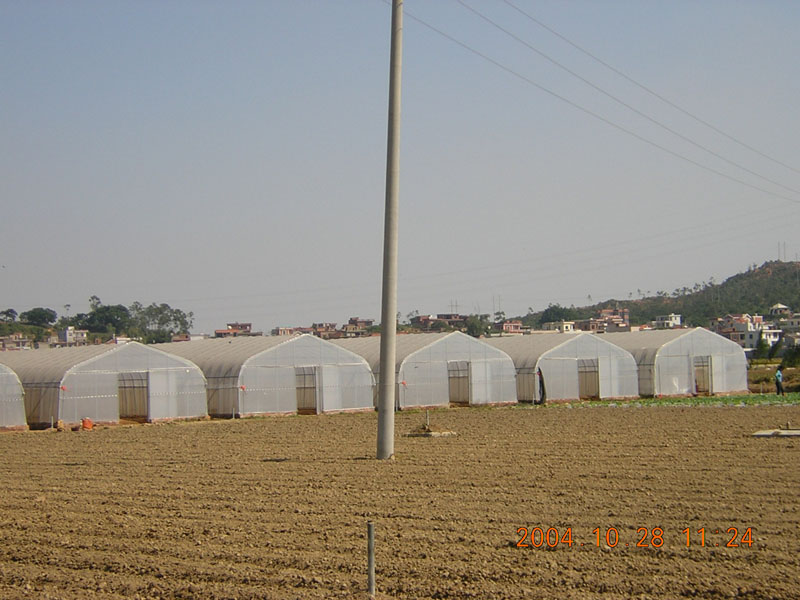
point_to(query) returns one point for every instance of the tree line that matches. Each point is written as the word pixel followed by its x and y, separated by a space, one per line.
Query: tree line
pixel 152 323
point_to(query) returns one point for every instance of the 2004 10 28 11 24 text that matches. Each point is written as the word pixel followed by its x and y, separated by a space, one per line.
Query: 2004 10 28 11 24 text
pixel 552 537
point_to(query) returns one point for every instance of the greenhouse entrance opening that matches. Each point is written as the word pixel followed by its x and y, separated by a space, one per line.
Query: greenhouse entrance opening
pixel 588 379
pixel 702 375
pixel 133 390
pixel 306 384
pixel 458 378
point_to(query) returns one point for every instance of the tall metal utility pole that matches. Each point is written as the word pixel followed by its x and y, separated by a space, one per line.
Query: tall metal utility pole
pixel 386 400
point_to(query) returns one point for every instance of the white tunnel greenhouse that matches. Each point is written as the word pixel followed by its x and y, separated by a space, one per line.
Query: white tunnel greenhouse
pixel 435 369
pixel 106 383
pixel 12 403
pixel 278 375
pixel 573 366
pixel 675 362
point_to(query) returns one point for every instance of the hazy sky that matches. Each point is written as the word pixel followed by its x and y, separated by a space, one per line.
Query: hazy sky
pixel 228 158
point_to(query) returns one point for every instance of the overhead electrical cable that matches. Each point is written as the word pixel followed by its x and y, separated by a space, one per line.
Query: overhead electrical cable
pixel 591 113
pixel 620 101
pixel 550 266
pixel 650 91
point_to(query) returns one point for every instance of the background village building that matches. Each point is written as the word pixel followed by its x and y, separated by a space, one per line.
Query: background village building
pixel 574 366
pixel 670 321
pixel 236 330
pixel 106 383
pixel 15 341
pixel 684 361
pixel 511 327
pixel 70 336
pixel 791 340
pixel 779 310
pixel 560 326
pixel 747 330
pixel 452 321
pixel 434 369
pixel 279 375
pixel 791 323
pixel 606 320
pixel 326 331
pixel 12 403
pixel 357 327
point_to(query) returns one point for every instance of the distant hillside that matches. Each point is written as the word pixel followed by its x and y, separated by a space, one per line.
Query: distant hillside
pixel 753 291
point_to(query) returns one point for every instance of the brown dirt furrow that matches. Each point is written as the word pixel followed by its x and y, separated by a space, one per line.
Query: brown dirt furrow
pixel 277 507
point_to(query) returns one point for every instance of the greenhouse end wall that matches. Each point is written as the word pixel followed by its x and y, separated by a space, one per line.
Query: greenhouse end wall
pixel 685 362
pixel 12 403
pixel 425 380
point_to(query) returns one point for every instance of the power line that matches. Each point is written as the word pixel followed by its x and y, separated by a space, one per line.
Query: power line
pixel 594 114
pixel 648 90
pixel 620 101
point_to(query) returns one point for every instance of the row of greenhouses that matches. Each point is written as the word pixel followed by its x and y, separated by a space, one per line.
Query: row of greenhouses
pixel 247 376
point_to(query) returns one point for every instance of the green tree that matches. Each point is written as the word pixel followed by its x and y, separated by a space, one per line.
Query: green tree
pixel 762 348
pixel 158 322
pixel 113 319
pixel 478 325
pixel 41 317
pixel 555 312
pixel 9 315
pixel 775 348
pixel 791 358
pixel 439 325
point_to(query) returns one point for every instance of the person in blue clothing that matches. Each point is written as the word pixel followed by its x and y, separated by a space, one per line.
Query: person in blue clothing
pixel 779 381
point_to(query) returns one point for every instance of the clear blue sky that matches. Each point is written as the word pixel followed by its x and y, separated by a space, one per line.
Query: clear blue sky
pixel 228 158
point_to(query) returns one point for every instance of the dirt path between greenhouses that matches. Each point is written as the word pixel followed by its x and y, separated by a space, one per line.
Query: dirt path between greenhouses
pixel 278 507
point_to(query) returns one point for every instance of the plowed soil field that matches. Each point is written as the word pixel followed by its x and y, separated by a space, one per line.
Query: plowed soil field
pixel 278 507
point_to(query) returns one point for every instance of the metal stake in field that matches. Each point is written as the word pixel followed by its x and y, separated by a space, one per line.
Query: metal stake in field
pixel 370 558
pixel 389 300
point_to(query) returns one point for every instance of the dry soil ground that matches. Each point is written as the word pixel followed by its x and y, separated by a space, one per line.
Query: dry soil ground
pixel 278 507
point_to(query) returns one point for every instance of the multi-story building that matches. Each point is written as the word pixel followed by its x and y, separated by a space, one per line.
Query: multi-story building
pixel 361 323
pixel 779 310
pixel 356 327
pixel 422 322
pixel 453 320
pixel 236 330
pixel 562 326
pixel 509 327
pixel 791 339
pixel 746 330
pixel 326 331
pixel 72 337
pixel 616 319
pixel 16 341
pixel 749 339
pixel 284 331
pixel 591 325
pixel 670 321
pixel 606 320
pixel 188 337
pixel 791 324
